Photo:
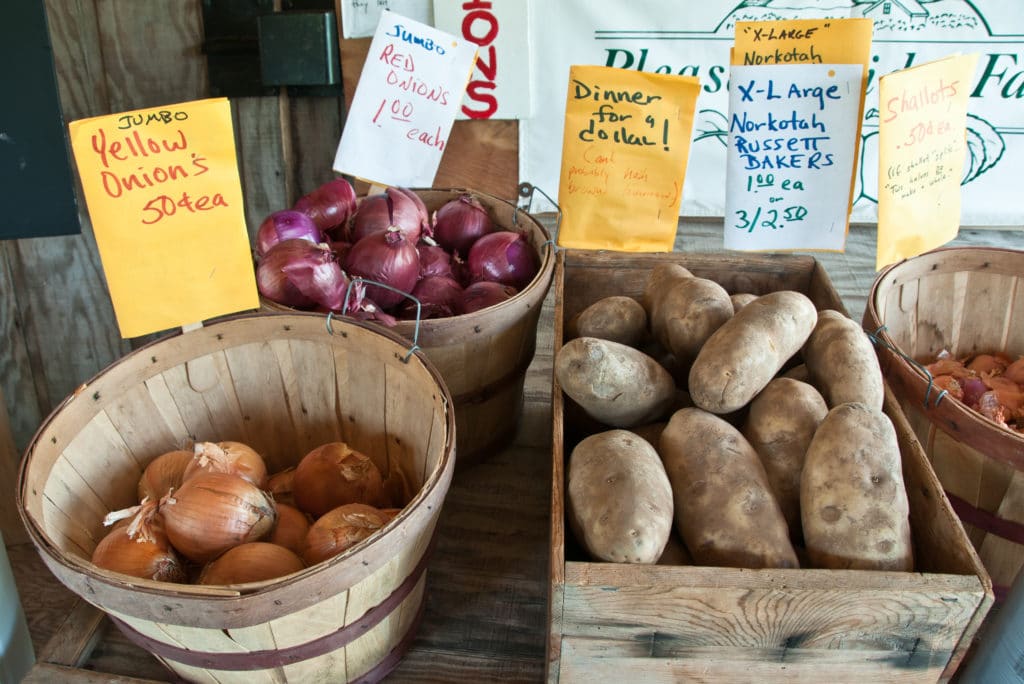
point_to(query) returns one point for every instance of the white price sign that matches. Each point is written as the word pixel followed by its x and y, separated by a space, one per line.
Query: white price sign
pixel 405 104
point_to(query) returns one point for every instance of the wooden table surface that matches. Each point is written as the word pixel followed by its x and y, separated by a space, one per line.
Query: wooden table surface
pixel 486 610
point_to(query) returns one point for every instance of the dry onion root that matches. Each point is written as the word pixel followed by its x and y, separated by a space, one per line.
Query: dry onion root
pixel 334 474
pixel 342 528
pixel 213 512
pixel 164 473
pixel 228 457
pixel 139 547
pixel 251 562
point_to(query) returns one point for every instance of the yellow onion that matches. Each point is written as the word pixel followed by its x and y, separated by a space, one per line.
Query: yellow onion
pixel 139 547
pixel 341 529
pixel 292 526
pixel 280 486
pixel 213 512
pixel 334 474
pixel 228 457
pixel 251 562
pixel 164 473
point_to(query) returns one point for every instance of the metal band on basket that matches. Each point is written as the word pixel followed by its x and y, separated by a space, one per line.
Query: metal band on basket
pixel 261 660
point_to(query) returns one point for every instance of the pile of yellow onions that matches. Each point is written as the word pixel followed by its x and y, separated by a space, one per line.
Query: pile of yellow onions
pixel 212 514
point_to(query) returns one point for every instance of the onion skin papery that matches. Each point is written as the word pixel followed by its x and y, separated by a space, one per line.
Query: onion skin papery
pixel 275 283
pixel 334 474
pixel 213 512
pixel 164 473
pixel 147 555
pixel 386 257
pixel 234 458
pixel 251 562
pixel 504 257
pixel 286 224
pixel 292 526
pixel 342 528
pixel 394 208
pixel 434 261
pixel 461 222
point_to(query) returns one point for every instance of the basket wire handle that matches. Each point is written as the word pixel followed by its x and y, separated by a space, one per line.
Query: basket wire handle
pixel 419 310
pixel 877 339
pixel 526 191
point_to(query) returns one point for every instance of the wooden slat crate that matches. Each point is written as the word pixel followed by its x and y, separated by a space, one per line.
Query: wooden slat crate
pixel 663 623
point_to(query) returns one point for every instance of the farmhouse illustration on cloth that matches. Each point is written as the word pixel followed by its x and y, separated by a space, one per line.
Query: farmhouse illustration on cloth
pixel 657 37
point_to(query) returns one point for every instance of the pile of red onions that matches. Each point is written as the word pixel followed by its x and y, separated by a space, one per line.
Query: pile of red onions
pixel 458 261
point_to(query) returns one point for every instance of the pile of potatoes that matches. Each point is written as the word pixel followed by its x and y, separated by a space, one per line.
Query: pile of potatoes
pixel 752 425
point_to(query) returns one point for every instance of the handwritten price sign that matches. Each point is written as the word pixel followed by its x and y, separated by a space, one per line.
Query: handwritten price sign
pixel 624 154
pixel 403 109
pixel 165 200
pixel 792 136
pixel 922 145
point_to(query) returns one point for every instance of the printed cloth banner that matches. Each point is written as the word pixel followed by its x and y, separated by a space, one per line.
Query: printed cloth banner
pixel 694 39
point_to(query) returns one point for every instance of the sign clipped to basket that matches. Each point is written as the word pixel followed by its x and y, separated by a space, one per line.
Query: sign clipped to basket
pixel 922 147
pixel 165 200
pixel 624 154
pixel 409 93
pixel 796 97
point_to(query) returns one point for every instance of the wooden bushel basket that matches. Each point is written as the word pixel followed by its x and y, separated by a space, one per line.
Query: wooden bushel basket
pixel 483 356
pixel 964 300
pixel 282 383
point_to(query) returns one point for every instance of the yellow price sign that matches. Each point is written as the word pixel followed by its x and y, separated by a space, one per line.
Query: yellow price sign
pixel 165 201
pixel 624 155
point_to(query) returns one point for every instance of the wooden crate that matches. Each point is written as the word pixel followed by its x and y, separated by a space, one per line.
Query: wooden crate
pixel 613 622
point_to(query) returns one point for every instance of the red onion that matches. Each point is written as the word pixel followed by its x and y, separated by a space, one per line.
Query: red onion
pixel 330 206
pixel 393 207
pixel 425 223
pixel 973 389
pixel 460 222
pixel 301 274
pixel 504 257
pixel 485 293
pixel 386 257
pixel 439 296
pixel 284 225
pixel 434 261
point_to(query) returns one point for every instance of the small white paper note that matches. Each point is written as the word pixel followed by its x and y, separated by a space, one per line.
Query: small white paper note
pixel 405 104
pixel 790 156
pixel 359 18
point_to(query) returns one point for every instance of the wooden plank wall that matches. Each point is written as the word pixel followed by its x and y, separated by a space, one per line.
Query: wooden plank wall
pixel 56 320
